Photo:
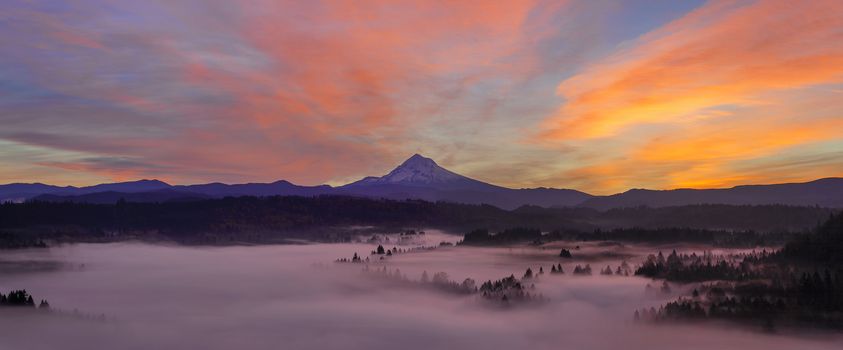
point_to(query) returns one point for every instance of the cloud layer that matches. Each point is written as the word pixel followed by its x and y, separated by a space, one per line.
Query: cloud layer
pixel 594 96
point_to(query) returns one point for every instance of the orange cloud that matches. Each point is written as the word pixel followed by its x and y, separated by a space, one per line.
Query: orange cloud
pixel 306 91
pixel 725 53
pixel 340 80
pixel 689 104
pixel 326 91
pixel 791 139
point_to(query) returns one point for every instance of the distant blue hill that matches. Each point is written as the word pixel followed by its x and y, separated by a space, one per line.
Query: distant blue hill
pixel 421 178
pixel 256 189
pixel 826 192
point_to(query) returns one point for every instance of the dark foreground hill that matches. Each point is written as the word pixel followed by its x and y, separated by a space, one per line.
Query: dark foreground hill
pixel 268 219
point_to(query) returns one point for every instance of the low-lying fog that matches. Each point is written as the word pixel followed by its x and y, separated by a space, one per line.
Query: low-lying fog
pixel 296 297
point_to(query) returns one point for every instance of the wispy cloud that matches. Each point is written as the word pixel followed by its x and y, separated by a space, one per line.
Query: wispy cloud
pixel 305 91
pixel 723 54
pixel 327 91
pixel 729 82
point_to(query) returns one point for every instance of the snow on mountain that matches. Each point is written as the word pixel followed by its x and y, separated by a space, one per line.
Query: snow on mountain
pixel 423 172
pixel 421 178
pixel 418 177
pixel 420 170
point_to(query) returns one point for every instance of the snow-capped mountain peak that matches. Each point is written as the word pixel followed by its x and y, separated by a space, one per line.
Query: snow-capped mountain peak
pixel 420 171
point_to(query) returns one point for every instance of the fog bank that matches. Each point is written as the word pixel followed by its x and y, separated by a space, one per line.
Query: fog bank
pixel 295 297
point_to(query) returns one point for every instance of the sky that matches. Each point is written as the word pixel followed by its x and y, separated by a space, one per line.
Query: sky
pixel 600 96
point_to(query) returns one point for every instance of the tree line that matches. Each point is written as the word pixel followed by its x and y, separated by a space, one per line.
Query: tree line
pixel 262 219
pixel 723 238
pixel 798 285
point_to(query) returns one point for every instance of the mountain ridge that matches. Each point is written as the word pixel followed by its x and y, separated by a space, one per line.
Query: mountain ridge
pixel 824 192
pixel 419 177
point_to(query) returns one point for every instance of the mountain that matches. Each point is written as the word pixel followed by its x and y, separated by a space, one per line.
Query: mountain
pixel 418 171
pixel 277 188
pixel 19 192
pixel 421 178
pixel 826 192
pixel 151 191
pixel 157 191
pixel 125 187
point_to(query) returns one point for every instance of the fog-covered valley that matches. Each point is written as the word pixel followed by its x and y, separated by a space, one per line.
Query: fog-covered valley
pixel 142 296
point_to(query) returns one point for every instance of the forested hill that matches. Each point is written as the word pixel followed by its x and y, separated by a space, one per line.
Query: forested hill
pixel 279 214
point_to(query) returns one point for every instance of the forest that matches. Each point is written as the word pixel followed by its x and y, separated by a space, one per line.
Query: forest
pixel 799 285
pixel 721 238
pixel 21 299
pixel 327 218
